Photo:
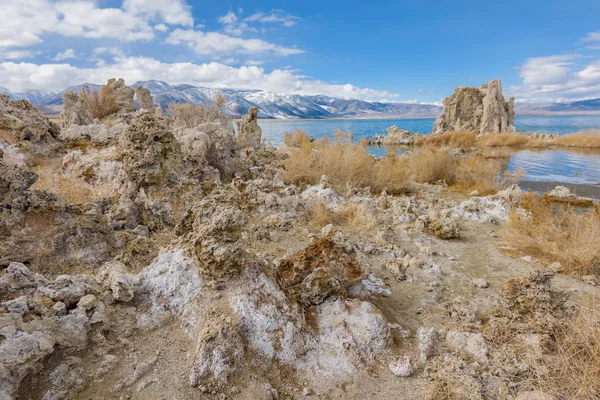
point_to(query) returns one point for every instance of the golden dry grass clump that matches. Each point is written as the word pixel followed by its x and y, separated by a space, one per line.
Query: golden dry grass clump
pixel 343 162
pixel 429 164
pixel 352 216
pixel 100 103
pixel 585 139
pixel 503 139
pixel 556 232
pixel 193 115
pixel 574 370
pixel 449 139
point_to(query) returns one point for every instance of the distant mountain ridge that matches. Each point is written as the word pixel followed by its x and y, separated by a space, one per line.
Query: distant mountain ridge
pixel 271 105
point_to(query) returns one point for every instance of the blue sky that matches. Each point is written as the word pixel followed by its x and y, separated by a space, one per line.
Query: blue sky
pixel 418 51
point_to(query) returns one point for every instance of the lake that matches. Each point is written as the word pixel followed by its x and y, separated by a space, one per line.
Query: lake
pixel 541 166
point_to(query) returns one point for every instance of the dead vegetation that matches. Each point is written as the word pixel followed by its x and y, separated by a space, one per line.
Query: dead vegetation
pixel 351 216
pixel 343 162
pixel 193 115
pixel 573 371
pixel 586 139
pixel 100 103
pixel 556 232
pixel 346 162
pixel 449 139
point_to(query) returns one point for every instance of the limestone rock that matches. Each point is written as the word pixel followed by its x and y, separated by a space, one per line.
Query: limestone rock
pixel 145 99
pixel 249 132
pixel 323 253
pixel 21 121
pixel 395 136
pixel 123 285
pixel 472 343
pixel 318 286
pixel 401 367
pixel 75 111
pixel 482 110
pixel 124 95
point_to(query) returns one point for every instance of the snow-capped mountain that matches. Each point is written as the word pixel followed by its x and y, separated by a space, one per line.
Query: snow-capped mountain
pixel 271 105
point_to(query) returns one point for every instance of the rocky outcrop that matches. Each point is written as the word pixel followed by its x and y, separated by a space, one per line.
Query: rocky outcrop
pixel 21 121
pixel 75 111
pixel 482 110
pixel 124 95
pixel 249 133
pixel 145 100
pixel 395 136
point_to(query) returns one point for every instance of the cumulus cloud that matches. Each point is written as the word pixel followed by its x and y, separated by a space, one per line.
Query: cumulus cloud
pixel 22 76
pixel 24 22
pixel 208 43
pixel 560 78
pixel 65 55
pixel 15 54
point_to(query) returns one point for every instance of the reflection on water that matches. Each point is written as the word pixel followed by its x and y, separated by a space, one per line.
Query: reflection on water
pixel 573 166
pixel 557 166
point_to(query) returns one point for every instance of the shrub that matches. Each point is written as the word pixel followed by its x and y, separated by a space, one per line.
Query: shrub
pixel 556 232
pixel 343 162
pixel 101 103
pixel 429 164
pixel 482 174
pixel 449 139
pixel 193 115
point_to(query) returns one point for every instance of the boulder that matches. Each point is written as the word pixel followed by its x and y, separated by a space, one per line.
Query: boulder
pixel 249 133
pixel 395 136
pixel 482 110
pixel 21 121
pixel 75 111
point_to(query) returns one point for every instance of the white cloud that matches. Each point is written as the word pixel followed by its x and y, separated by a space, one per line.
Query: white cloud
pixel 592 37
pixel 274 16
pixel 547 70
pixel 15 54
pixel 65 55
pixel 161 27
pixel 24 22
pixel 557 79
pixel 211 43
pixel 22 76
pixel 173 12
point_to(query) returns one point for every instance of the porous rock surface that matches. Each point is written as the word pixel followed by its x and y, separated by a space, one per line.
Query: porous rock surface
pixel 395 136
pixel 75 111
pixel 249 133
pixel 192 271
pixel 482 110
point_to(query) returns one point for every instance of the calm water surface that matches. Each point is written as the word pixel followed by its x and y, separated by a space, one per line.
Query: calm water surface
pixel 540 166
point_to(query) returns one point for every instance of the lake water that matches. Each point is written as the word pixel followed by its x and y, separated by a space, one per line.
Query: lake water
pixel 540 166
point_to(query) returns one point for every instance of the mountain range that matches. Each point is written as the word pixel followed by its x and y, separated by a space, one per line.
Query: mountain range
pixel 273 105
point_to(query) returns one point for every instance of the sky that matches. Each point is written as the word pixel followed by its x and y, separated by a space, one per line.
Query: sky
pixel 393 51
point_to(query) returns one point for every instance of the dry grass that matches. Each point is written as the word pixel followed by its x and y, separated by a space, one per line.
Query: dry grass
pixel 587 139
pixel 482 174
pixel 556 232
pixel 503 139
pixel 343 162
pixel 74 190
pixel 429 164
pixel 449 139
pixel 573 371
pixel 351 216
pixel 101 103
pixel 193 115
